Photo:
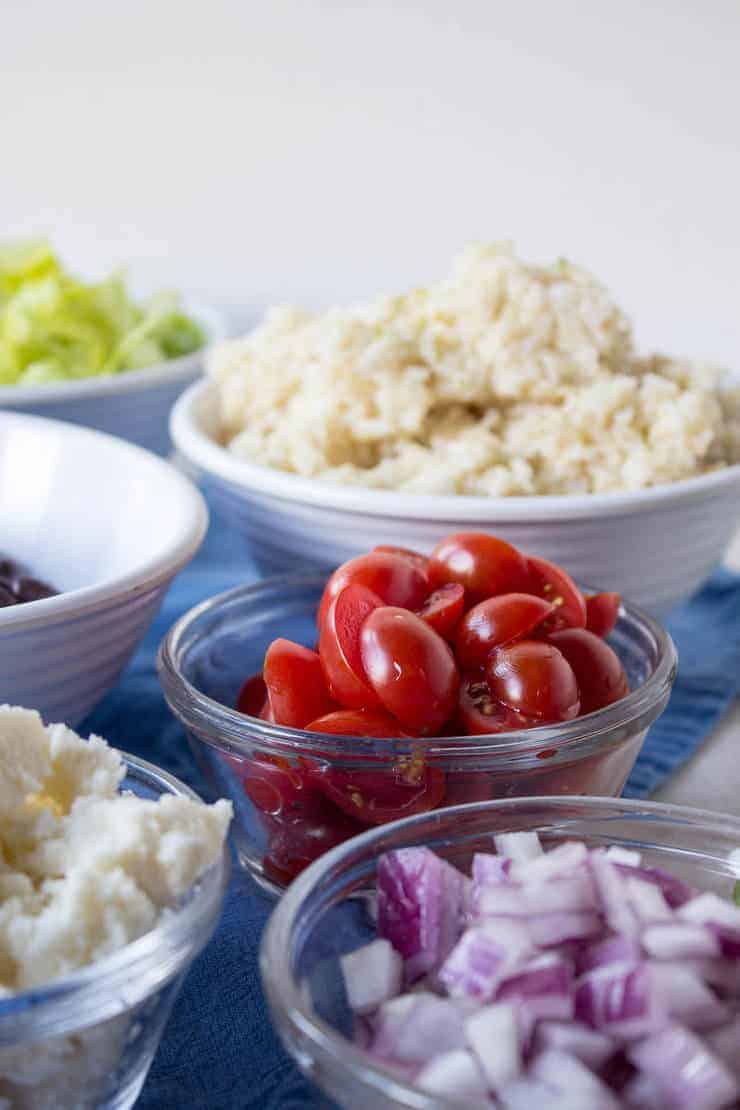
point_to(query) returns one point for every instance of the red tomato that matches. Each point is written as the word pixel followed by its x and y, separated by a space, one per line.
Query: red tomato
pixel 275 787
pixel 339 648
pixel 357 722
pixel 598 670
pixel 252 696
pixel 480 713
pixel 443 608
pixel 410 667
pixel 556 586
pixel 295 683
pixel 494 622
pixel 394 578
pixel 602 611
pixel 298 841
pixel 376 797
pixel 414 557
pixel 483 564
pixel 534 678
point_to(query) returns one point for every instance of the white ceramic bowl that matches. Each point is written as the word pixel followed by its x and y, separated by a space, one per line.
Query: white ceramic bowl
pixel 134 405
pixel 104 522
pixel 655 546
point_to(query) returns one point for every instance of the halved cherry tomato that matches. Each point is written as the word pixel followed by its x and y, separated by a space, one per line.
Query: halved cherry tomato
pixel 375 797
pixel 443 608
pixel 556 586
pixel 480 713
pixel 276 787
pixel 410 667
pixel 252 696
pixel 298 841
pixel 339 647
pixel 602 611
pixel 357 722
pixel 295 682
pixel 414 557
pixel 534 678
pixel 494 622
pixel 483 564
pixel 393 577
pixel 598 670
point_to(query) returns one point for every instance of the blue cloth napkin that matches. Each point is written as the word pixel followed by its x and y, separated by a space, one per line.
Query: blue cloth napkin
pixel 219 1050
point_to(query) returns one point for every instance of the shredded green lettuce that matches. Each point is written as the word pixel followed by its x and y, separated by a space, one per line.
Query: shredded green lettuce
pixel 54 327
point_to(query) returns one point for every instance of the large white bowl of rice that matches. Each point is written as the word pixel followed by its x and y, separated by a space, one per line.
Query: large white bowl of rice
pixel 507 397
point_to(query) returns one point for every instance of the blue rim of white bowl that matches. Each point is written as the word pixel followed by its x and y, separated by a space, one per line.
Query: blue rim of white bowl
pixel 213 323
pixel 153 572
pixel 215 460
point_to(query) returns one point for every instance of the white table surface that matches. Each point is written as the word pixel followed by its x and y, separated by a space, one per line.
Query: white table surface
pixel 711 778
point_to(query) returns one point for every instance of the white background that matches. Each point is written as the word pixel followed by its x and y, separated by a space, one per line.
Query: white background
pixel 319 151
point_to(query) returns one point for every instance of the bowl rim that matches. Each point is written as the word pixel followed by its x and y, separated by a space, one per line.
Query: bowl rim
pixel 115 983
pixel 217 461
pixel 289 1003
pixel 147 575
pixel 223 727
pixel 214 323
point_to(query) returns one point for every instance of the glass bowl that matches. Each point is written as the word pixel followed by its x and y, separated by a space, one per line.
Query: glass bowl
pixel 328 912
pixel 87 1041
pixel 281 779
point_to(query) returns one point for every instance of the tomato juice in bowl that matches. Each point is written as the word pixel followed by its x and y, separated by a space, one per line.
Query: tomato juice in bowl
pixel 297 793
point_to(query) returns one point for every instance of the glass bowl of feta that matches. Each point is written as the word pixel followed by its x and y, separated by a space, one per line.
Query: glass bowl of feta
pixel 112 882
pixel 441 961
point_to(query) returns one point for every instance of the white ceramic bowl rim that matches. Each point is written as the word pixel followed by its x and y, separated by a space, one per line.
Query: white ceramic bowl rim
pixel 141 578
pixel 200 448
pixel 114 983
pixel 330 1046
pixel 212 321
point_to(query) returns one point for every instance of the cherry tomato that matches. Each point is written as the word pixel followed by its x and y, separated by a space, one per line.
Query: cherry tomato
pixel 357 722
pixel 375 797
pixel 483 564
pixel 598 670
pixel 275 787
pixel 410 667
pixel 602 611
pixel 296 842
pixel 394 578
pixel 414 557
pixel 339 647
pixel 556 586
pixel 480 713
pixel 494 622
pixel 252 696
pixel 295 682
pixel 534 678
pixel 443 608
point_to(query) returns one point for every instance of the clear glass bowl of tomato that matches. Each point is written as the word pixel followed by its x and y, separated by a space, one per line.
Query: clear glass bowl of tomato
pixel 297 794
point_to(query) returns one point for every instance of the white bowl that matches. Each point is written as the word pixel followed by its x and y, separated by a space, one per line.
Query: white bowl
pixel 655 546
pixel 134 404
pixel 106 523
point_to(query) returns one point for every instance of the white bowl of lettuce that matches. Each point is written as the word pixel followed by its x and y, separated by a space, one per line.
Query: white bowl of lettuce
pixel 90 353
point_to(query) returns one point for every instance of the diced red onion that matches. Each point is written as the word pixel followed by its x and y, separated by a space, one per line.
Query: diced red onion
pixel 725 1044
pixel 544 985
pixel 685 997
pixel 562 860
pixel 674 940
pixel 591 1047
pixel 482 958
pixel 614 950
pixel 685 1070
pixel 414 1028
pixel 518 846
pixel 611 890
pixel 372 975
pixel 420 907
pixel 455 1075
pixel 489 868
pixel 617 854
pixel 493 1036
pixel 620 1001
pixel 568 1074
pixel 643 1093
pixel 647 901
pixel 571 894
pixel 675 891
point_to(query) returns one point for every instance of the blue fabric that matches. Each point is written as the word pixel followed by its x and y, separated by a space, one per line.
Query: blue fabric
pixel 219 1051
